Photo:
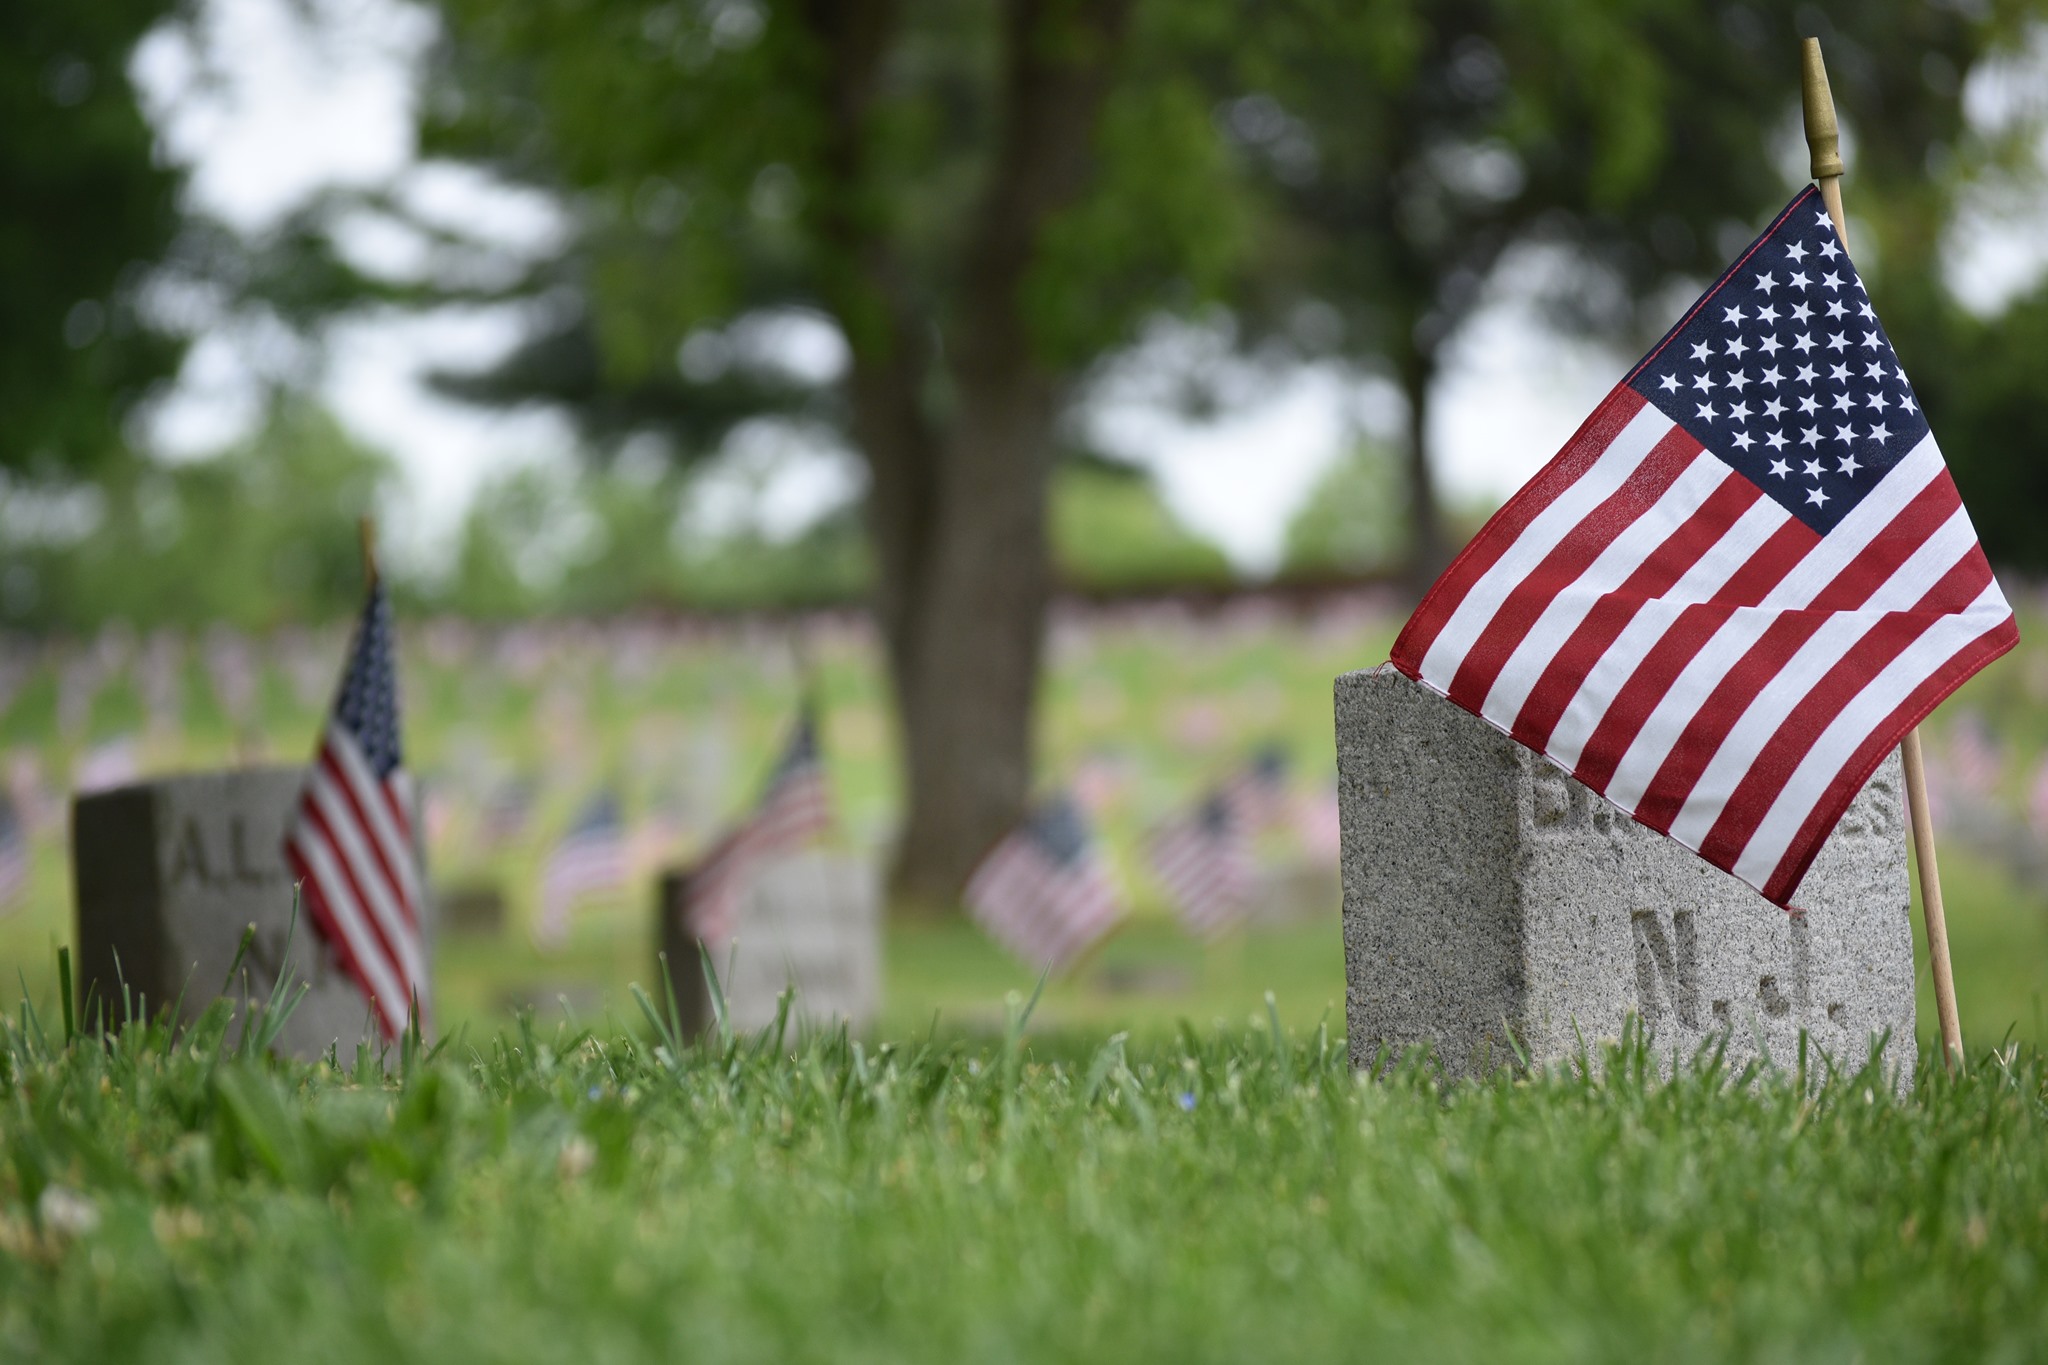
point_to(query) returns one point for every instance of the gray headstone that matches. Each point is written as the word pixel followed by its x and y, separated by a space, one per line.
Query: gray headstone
pixel 812 920
pixel 1485 890
pixel 169 874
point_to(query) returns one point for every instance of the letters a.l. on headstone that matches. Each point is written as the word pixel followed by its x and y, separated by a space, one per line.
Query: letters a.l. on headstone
pixel 810 920
pixel 168 875
pixel 1485 891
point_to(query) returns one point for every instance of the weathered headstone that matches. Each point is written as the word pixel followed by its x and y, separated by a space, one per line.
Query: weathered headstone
pixel 169 874
pixel 810 920
pixel 1486 891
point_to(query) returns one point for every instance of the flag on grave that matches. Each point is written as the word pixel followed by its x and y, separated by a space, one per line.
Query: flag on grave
pixel 1204 860
pixel 1741 583
pixel 794 808
pixel 350 844
pixel 1045 892
pixel 590 859
pixel 13 855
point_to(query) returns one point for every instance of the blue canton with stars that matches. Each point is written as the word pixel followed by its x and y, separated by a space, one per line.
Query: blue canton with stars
pixel 1782 371
pixel 368 705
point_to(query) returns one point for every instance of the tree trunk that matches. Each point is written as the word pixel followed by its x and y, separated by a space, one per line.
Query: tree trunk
pixel 1429 548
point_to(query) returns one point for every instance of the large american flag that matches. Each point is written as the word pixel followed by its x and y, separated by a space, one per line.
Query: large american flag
pixel 794 808
pixel 350 843
pixel 1045 892
pixel 1741 583
pixel 592 858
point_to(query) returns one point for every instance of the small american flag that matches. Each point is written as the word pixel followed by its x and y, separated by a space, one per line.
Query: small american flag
pixel 1204 859
pixel 1045 892
pixel 13 855
pixel 794 808
pixel 1257 792
pixel 591 859
pixel 1741 583
pixel 350 843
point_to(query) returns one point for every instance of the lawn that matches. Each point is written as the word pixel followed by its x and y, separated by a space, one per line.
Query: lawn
pixel 1222 1194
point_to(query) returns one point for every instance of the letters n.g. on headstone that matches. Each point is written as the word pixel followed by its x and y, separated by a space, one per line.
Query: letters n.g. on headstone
pixel 169 874
pixel 809 921
pixel 1487 892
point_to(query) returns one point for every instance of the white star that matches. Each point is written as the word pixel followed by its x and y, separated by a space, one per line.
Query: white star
pixel 1837 342
pixel 1836 308
pixel 1700 350
pixel 1908 403
pixel 1825 221
pixel 1831 280
pixel 1849 465
pixel 1875 369
pixel 1766 283
pixel 1669 383
pixel 1869 341
pixel 1808 436
pixel 1743 440
pixel 1829 249
pixel 1703 382
pixel 1780 468
pixel 1801 312
pixel 1880 434
pixel 1799 278
pixel 1740 412
pixel 1773 408
pixel 1808 403
pixel 1813 469
pixel 1769 345
pixel 1845 434
pixel 1732 315
pixel 1737 347
pixel 1707 411
pixel 1796 252
pixel 1865 309
pixel 1771 377
pixel 1839 373
pixel 1802 343
pixel 1805 375
pixel 1816 497
pixel 1776 441
pixel 1841 402
pixel 1767 313
pixel 1877 401
pixel 1738 381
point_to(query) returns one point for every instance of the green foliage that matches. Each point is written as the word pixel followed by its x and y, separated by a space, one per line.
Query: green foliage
pixel 86 211
pixel 1110 530
pixel 575 1195
pixel 260 535
pixel 1351 524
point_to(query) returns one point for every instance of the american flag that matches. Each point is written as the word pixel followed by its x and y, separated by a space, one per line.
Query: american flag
pixel 350 843
pixel 1204 859
pixel 13 855
pixel 1257 792
pixel 1741 583
pixel 794 808
pixel 591 859
pixel 1045 892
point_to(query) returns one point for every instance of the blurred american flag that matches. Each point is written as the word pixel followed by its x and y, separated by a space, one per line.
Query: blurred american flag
pixel 794 808
pixel 1045 892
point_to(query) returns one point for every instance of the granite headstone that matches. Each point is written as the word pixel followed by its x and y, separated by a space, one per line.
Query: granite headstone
pixel 1486 891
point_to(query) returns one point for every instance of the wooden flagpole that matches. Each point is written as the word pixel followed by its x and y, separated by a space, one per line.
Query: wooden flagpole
pixel 1823 141
pixel 366 527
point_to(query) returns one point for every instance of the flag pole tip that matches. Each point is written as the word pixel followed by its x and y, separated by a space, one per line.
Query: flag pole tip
pixel 1817 102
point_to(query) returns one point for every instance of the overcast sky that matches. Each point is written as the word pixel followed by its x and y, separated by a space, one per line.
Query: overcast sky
pixel 270 101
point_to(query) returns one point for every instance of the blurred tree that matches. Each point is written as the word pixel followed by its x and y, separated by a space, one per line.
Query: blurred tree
pixel 258 536
pixel 1111 532
pixel 88 210
pixel 981 198
pixel 1412 149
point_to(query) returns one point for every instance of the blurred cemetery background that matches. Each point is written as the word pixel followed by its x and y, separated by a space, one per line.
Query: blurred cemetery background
pixel 540 286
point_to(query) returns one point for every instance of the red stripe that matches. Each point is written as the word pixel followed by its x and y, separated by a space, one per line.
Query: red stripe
pixel 355 799
pixel 1790 743
pixel 1566 672
pixel 1666 659
pixel 1567 560
pixel 1580 454
pixel 1813 832
pixel 1787 633
pixel 317 820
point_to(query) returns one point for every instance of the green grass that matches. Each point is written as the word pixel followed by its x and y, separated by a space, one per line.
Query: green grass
pixel 1222 1195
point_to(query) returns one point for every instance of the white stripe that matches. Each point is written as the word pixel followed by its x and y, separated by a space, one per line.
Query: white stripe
pixel 1623 455
pixel 362 943
pixel 1622 557
pixel 1857 722
pixel 1764 716
pixel 352 849
pixel 1816 571
pixel 397 848
pixel 1618 663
